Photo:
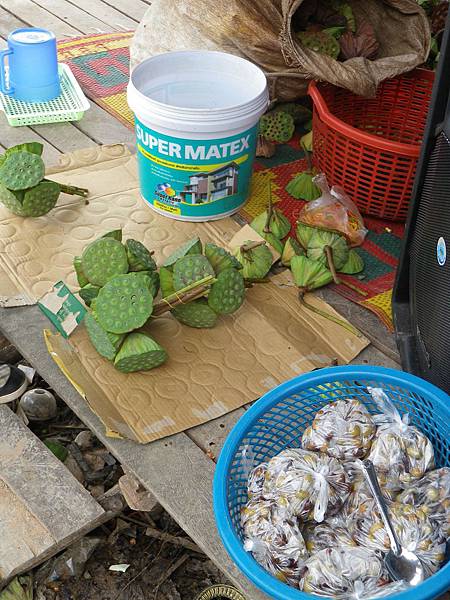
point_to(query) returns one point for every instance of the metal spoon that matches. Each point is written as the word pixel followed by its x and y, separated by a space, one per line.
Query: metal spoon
pixel 401 564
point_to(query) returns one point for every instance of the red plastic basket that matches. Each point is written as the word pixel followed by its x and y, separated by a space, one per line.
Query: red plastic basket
pixel 370 146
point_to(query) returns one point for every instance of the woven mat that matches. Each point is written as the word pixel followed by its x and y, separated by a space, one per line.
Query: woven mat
pixel 101 65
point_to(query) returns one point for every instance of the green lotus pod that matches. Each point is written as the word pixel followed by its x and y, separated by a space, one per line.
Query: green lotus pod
pixel 190 269
pixel 196 314
pixel 304 233
pixel 279 224
pixel 152 279
pixel 354 264
pixel 291 248
pixel 139 258
pixel 306 141
pixel 192 246
pixel 338 244
pixel 88 293
pixel 220 258
pixel 227 293
pixel 116 234
pixel 139 352
pixel 12 201
pixel 32 147
pixel 256 260
pixel 124 303
pixel 277 126
pixel 309 274
pixel 107 344
pixel 298 112
pixel 302 187
pixel 81 277
pixel 321 42
pixel 103 259
pixel 166 282
pixel 40 200
pixel 21 170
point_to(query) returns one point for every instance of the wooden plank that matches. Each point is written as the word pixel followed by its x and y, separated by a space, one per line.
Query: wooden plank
pixel 34 15
pixel 365 320
pixel 8 23
pixel 105 13
pixel 10 136
pixel 63 136
pixel 135 9
pixel 175 469
pixel 43 507
pixel 103 128
pixel 69 13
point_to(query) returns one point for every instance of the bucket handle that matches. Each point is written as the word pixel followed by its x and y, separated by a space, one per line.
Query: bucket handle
pixel 5 90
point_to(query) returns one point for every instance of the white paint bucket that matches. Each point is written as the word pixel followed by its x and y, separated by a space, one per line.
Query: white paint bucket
pixel 197 116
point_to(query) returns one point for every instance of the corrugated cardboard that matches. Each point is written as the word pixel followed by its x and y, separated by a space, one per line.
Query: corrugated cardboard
pixel 209 372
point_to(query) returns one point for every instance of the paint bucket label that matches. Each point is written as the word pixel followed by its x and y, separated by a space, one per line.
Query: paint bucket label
pixel 195 179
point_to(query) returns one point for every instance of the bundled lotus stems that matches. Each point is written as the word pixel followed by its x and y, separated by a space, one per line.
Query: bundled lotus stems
pixel 120 283
pixel 23 187
pixel 302 185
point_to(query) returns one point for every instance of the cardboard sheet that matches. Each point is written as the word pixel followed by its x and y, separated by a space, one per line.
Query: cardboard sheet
pixel 209 372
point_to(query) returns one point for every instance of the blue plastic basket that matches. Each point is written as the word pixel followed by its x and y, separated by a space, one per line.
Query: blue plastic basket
pixel 278 420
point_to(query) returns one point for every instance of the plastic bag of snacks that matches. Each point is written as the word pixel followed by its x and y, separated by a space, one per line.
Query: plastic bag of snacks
pixel 313 485
pixel 336 571
pixel 333 532
pixel 342 429
pixel 432 495
pixel 274 539
pixel 413 527
pixel 359 489
pixel 256 480
pixel 334 210
pixel 400 452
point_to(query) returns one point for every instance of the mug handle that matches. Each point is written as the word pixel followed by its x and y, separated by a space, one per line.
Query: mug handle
pixel 8 91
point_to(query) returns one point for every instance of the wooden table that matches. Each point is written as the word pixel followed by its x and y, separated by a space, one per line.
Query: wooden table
pixel 179 469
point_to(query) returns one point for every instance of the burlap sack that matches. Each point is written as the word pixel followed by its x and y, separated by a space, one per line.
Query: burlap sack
pixel 261 31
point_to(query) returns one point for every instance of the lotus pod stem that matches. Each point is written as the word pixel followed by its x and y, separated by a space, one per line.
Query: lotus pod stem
pixel 269 210
pixel 252 245
pixel 195 290
pixel 326 315
pixel 72 190
pixel 329 254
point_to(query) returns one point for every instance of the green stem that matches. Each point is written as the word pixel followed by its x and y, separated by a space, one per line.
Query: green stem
pixel 329 255
pixel 308 157
pixel 252 245
pixel 353 287
pixel 269 210
pixel 72 189
pixel 191 292
pixel 328 316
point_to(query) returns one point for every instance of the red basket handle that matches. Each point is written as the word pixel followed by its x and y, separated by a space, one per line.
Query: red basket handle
pixel 375 141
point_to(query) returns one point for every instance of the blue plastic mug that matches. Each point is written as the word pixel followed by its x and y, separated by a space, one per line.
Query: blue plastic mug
pixel 33 65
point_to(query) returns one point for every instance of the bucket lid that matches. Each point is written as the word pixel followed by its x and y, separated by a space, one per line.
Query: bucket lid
pixel 198 91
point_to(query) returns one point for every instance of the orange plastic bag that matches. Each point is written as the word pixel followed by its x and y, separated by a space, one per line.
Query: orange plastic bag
pixel 334 210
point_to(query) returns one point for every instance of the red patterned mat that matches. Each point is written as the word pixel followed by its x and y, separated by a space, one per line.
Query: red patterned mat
pixel 101 65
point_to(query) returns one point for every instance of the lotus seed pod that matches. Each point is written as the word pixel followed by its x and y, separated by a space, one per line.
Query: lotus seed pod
pixel 115 234
pixel 103 259
pixel 354 264
pixel 12 201
pixel 298 112
pixel 81 277
pixel 196 314
pixel 40 199
pixel 139 258
pixel 124 303
pixel 220 259
pixel 32 147
pixel 321 42
pixel 189 269
pixel 192 246
pixel 256 261
pixel 227 293
pixel 291 248
pixel 338 244
pixel 139 352
pixel 88 293
pixel 107 344
pixel 21 170
pixel 277 126
pixel 166 282
pixel 152 278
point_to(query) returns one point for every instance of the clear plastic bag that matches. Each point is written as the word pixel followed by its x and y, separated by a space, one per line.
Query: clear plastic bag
pixel 342 572
pixel 412 526
pixel 400 452
pixel 342 429
pixel 313 485
pixel 334 210
pixel 431 494
pixel 256 480
pixel 274 539
pixel 333 532
pixel 360 492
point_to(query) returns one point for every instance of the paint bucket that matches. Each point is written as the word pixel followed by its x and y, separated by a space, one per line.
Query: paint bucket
pixel 197 116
